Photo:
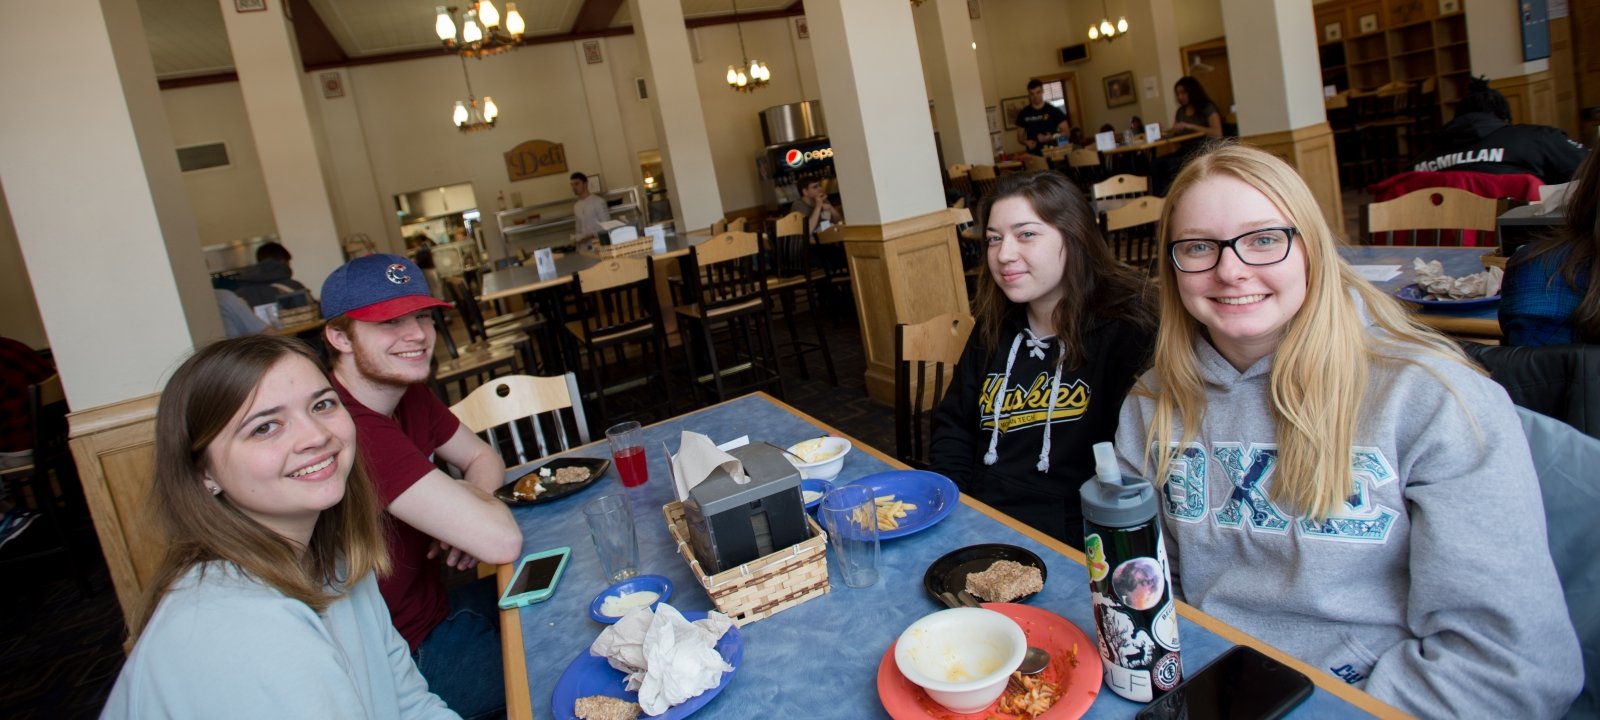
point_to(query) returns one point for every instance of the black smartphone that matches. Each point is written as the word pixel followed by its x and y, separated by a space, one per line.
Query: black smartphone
pixel 535 579
pixel 1243 684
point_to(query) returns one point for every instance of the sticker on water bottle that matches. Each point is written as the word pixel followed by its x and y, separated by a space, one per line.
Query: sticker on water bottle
pixel 1167 672
pixel 1165 627
pixel 1094 555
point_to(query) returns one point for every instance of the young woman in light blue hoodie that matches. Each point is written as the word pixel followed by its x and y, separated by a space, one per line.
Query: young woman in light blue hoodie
pixel 267 603
pixel 1336 480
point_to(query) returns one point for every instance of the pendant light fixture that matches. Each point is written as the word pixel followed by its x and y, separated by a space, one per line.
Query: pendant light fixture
pixel 481 31
pixel 748 74
pixel 469 115
pixel 1104 30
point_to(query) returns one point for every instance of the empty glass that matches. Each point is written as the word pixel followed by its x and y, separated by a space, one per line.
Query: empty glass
pixel 850 515
pixel 611 526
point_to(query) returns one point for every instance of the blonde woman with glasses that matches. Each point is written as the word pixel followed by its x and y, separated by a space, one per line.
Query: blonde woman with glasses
pixel 267 603
pixel 1335 479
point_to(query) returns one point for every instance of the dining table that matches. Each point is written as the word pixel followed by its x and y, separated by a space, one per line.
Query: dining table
pixel 1480 321
pixel 821 658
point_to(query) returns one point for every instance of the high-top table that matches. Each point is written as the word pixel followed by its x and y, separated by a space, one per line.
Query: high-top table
pixel 818 659
pixel 1481 322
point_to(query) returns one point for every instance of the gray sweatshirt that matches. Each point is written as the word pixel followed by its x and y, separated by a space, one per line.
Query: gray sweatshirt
pixel 1433 591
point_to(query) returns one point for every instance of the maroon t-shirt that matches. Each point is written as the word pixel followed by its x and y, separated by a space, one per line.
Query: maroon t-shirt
pixel 397 452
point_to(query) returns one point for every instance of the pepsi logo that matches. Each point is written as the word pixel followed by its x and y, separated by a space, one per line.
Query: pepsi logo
pixel 793 158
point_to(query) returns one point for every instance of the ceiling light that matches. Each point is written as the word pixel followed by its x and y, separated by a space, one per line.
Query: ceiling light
pixel 481 31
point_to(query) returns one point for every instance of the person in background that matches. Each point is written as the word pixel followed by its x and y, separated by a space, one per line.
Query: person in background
pixel 1481 138
pixel 1196 113
pixel 380 332
pixel 1136 125
pixel 268 279
pixel 1062 332
pixel 238 319
pixel 589 211
pixel 1038 123
pixel 1548 296
pixel 813 204
pixel 266 604
pixel 20 367
pixel 1327 467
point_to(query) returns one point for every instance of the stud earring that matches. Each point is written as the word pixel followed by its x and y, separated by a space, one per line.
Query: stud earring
pixel 214 488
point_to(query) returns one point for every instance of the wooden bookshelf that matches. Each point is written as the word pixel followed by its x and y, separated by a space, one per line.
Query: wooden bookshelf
pixel 1366 44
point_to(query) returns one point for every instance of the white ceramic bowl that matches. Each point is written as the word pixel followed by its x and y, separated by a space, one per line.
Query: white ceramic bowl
pixel 829 449
pixel 962 657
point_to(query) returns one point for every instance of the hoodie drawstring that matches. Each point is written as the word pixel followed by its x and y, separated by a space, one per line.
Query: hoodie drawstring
pixel 1036 348
pixel 999 401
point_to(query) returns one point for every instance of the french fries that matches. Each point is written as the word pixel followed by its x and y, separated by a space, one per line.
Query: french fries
pixel 888 512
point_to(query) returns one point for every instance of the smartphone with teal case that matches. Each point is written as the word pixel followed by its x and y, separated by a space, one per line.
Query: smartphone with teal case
pixel 535 579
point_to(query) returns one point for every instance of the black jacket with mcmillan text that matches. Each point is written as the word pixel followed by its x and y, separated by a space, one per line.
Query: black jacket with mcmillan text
pixel 1481 142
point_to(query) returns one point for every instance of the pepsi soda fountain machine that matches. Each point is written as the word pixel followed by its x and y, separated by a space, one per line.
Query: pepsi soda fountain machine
pixel 797 149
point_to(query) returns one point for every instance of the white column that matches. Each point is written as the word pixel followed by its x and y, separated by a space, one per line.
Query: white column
pixel 957 94
pixel 96 199
pixel 1277 77
pixel 675 108
pixel 271 80
pixel 876 105
pixel 358 206
pixel 1150 25
pixel 619 167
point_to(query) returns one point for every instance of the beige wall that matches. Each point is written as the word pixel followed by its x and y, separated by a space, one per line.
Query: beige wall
pixel 19 312
pixel 230 202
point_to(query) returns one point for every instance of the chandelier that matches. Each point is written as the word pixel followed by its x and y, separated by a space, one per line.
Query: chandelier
pixel 469 116
pixel 481 34
pixel 1104 30
pixel 750 74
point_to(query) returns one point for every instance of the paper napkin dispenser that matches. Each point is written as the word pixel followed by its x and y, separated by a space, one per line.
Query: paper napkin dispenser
pixel 731 524
pixel 614 232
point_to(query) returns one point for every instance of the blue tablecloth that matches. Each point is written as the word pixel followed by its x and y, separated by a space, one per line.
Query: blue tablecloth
pixel 819 659
pixel 1457 261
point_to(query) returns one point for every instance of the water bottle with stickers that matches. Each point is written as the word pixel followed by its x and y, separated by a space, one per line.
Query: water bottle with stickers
pixel 1136 619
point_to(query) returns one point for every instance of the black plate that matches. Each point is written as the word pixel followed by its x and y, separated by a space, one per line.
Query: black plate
pixel 597 469
pixel 949 573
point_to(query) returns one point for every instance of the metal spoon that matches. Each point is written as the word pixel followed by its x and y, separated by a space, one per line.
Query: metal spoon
pixel 784 451
pixel 1034 661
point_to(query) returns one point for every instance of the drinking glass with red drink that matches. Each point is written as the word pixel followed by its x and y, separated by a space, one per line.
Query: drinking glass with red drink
pixel 627 451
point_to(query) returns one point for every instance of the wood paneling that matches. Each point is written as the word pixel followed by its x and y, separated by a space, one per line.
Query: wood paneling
pixel 114 447
pixel 1310 151
pixel 1532 97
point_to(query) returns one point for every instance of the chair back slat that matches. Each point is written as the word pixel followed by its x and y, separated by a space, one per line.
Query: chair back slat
pixel 792 224
pixel 1433 211
pixel 1131 230
pixel 1032 163
pixel 1121 186
pixel 933 345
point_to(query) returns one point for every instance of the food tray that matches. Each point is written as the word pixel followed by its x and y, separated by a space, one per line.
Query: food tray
pixel 631 248
pixel 764 586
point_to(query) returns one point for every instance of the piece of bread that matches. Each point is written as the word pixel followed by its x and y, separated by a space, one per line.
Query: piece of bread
pixel 602 707
pixel 1005 580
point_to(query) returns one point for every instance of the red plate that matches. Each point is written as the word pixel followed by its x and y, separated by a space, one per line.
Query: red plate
pixel 1045 629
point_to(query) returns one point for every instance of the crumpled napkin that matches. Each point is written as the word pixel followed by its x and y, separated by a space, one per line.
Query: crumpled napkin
pixel 1439 286
pixel 668 659
pixel 697 459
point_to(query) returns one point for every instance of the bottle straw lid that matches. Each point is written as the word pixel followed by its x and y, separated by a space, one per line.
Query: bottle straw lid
pixel 1113 500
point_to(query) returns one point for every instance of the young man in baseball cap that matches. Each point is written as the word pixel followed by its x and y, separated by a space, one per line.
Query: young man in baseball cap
pixel 381 333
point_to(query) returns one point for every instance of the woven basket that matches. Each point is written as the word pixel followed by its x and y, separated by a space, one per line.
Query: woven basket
pixel 763 586
pixel 631 248
pixel 295 316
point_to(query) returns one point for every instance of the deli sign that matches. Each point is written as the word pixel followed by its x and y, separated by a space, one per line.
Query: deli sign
pixel 536 158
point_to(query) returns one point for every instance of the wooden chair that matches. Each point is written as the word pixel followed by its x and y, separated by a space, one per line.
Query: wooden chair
pixel 619 310
pixel 48 486
pixel 828 255
pixel 728 292
pixel 982 180
pixel 1120 186
pixel 505 407
pixel 932 346
pixel 1432 216
pixel 1033 163
pixel 961 181
pixel 735 224
pixel 1131 231
pixel 1085 168
pixel 790 276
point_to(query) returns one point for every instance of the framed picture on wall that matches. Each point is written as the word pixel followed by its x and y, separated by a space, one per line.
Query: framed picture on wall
pixel 994 118
pixel 591 52
pixel 245 6
pixel 1367 23
pixel 332 84
pixel 1447 7
pixel 1009 107
pixel 1333 32
pixel 801 29
pixel 972 9
pixel 1119 89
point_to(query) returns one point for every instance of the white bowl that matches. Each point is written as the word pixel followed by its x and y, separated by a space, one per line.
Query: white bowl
pixel 830 449
pixel 962 657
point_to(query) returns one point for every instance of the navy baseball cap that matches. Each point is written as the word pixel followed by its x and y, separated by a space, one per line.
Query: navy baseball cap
pixel 376 288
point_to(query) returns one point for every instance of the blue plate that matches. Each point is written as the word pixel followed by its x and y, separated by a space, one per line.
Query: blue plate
pixel 933 494
pixel 1412 294
pixel 654 583
pixel 591 675
pixel 822 486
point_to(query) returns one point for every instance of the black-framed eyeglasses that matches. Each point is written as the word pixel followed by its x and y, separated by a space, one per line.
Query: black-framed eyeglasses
pixel 1263 246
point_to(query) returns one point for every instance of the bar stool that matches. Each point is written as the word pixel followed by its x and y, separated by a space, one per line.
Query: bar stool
pixel 619 310
pixel 792 275
pixel 728 292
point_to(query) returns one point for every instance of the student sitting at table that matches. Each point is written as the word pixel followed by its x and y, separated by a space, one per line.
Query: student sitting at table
pixel 1547 297
pixel 1337 480
pixel 1196 113
pixel 267 602
pixel 1062 331
pixel 380 328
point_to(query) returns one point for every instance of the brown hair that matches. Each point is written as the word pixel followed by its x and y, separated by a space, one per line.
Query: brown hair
pixel 342 325
pixel 202 396
pixel 1582 238
pixel 1094 283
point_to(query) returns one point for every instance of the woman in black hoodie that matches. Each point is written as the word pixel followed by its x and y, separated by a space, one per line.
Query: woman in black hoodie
pixel 1063 329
